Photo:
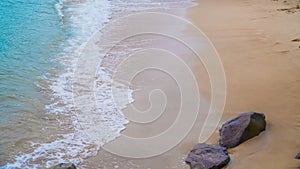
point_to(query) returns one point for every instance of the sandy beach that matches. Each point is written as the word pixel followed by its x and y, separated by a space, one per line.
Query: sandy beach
pixel 81 83
pixel 258 46
pixel 261 62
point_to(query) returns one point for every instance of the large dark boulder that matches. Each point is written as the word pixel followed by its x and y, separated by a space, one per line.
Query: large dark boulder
pixel 204 156
pixel 64 166
pixel 242 128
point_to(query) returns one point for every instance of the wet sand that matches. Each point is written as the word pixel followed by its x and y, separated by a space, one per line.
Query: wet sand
pixel 261 63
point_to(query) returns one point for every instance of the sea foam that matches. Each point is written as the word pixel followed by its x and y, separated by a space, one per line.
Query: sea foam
pixel 80 20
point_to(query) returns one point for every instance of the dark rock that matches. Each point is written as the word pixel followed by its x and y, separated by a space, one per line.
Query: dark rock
pixel 64 166
pixel 204 156
pixel 298 156
pixel 242 128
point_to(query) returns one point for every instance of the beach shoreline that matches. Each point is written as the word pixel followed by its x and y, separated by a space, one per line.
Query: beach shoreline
pixel 258 44
pixel 53 73
pixel 254 41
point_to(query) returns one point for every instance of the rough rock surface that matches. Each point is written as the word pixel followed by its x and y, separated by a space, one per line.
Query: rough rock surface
pixel 64 166
pixel 204 156
pixel 242 128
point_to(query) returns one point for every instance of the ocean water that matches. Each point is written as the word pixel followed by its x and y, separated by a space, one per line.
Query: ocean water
pixel 31 35
pixel 40 42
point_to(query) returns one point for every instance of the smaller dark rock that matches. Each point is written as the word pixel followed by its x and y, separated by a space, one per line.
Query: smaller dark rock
pixel 298 156
pixel 204 156
pixel 242 128
pixel 64 166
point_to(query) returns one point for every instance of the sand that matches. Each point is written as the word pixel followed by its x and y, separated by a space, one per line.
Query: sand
pixel 261 61
pixel 262 67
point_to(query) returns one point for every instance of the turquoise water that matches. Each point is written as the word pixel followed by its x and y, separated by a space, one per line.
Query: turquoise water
pixel 39 44
pixel 30 37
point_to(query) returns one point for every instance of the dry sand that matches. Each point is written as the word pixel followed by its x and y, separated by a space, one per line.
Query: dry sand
pixel 262 67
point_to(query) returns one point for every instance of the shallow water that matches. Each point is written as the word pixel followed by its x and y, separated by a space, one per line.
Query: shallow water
pixel 30 38
pixel 39 41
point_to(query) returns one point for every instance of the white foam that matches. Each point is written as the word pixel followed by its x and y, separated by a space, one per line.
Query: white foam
pixel 72 147
pixel 82 20
pixel 59 7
